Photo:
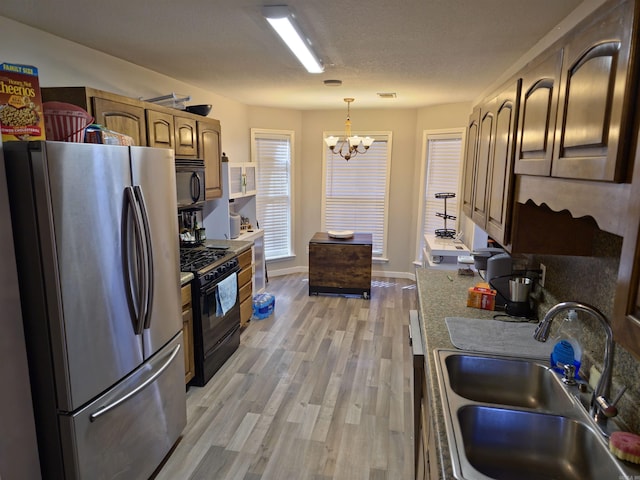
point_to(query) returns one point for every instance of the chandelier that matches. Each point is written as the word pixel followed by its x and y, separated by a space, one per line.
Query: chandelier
pixel 352 143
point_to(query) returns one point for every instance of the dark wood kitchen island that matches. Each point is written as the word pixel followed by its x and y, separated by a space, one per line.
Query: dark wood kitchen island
pixel 341 266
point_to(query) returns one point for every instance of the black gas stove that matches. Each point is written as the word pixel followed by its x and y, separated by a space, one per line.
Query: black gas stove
pixel 216 314
pixel 206 263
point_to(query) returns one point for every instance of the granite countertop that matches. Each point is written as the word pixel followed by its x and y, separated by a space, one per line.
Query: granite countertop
pixel 442 294
pixel 236 246
pixel 185 277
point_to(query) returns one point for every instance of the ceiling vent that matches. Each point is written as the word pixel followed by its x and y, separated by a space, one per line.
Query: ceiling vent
pixel 387 94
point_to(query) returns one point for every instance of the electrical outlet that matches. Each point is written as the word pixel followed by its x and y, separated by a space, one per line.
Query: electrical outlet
pixel 543 274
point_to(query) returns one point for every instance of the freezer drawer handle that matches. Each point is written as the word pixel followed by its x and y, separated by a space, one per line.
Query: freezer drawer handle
pixel 136 390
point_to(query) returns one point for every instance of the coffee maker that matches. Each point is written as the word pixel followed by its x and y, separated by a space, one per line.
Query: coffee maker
pixel 512 288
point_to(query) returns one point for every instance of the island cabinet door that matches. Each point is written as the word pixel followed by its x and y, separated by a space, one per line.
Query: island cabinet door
pixel 537 116
pixel 596 98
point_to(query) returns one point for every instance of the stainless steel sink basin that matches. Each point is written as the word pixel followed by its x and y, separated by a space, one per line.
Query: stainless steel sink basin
pixel 509 418
pixel 514 382
pixel 507 444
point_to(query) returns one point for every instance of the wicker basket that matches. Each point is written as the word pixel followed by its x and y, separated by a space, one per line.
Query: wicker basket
pixel 64 122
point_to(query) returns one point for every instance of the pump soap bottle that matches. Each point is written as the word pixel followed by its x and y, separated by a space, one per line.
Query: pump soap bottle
pixel 567 348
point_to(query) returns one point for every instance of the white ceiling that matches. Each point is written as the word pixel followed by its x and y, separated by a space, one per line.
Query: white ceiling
pixel 426 51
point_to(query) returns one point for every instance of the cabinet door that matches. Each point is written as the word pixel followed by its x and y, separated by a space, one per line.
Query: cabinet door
pixel 160 130
pixel 235 180
pixel 209 151
pixel 121 118
pixel 187 334
pixel 470 161
pixel 485 152
pixel 595 99
pixel 186 137
pixel 538 106
pixel 626 318
pixel 500 194
pixel 250 179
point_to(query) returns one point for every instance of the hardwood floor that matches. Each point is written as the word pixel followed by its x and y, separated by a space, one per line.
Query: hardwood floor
pixel 320 390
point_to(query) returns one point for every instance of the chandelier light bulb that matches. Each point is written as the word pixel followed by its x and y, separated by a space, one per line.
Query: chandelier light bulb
pixel 351 143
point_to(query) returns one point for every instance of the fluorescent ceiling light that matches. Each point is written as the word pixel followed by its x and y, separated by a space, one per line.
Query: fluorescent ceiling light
pixel 281 19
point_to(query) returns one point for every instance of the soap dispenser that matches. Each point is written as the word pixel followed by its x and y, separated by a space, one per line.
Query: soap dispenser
pixel 567 348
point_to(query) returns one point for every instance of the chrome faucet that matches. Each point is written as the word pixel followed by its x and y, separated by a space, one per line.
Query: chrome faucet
pixel 599 399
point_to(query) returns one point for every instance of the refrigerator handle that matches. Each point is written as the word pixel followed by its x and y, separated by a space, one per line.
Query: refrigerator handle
pixel 148 255
pixel 136 390
pixel 135 304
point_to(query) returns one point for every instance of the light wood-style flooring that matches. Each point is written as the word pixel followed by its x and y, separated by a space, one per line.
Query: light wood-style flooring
pixel 320 390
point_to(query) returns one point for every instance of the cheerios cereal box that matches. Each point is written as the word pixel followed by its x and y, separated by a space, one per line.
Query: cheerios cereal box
pixel 21 115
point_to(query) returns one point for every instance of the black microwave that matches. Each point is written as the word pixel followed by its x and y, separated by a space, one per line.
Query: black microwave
pixel 190 186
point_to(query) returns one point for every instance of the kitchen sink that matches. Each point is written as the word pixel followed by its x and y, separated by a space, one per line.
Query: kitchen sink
pixel 506 381
pixel 506 444
pixel 507 417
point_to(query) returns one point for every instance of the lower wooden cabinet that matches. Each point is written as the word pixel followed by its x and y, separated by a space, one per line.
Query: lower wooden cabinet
pixel 426 462
pixel 245 259
pixel 187 333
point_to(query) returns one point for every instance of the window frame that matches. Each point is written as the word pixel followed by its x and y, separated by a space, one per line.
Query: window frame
pixel 385 135
pixel 257 133
pixel 427 135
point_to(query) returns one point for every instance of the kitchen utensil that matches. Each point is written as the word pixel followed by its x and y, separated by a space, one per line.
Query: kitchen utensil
pixel 201 235
pixel 340 233
pixel 519 289
pixel 203 110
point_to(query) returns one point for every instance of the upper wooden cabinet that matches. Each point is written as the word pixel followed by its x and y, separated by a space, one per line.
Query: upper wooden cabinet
pixel 160 129
pixel 537 115
pixel 186 135
pixel 488 180
pixel 500 178
pixel 209 151
pixel 115 112
pixel 483 159
pixel 167 129
pixel 626 309
pixel 577 100
pixel 471 150
pixel 121 117
pixel 596 97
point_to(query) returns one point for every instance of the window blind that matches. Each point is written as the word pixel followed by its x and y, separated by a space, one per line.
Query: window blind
pixel 273 154
pixel 356 192
pixel 442 175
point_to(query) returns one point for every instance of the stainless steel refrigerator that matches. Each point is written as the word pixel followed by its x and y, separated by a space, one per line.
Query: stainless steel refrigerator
pixel 97 251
